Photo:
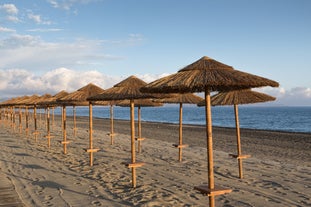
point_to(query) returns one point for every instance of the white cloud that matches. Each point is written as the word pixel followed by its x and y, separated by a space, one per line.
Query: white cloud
pixel 9 8
pixel 150 77
pixel 18 82
pixel 4 29
pixel 37 19
pixel 68 4
pixel 298 96
pixel 11 12
pixel 12 19
pixel 26 51
pixel 45 30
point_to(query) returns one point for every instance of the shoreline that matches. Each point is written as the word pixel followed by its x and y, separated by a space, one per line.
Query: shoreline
pixel 201 125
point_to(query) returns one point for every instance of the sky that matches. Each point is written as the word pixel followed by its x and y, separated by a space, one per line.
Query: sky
pixel 51 45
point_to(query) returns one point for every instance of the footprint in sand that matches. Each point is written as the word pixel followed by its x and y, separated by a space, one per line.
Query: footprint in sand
pixel 96 203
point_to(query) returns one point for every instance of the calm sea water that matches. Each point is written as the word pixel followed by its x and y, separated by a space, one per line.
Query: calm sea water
pixel 293 119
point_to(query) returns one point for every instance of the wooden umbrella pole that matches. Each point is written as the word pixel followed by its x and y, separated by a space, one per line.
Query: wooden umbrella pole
pixel 27 121
pixel 74 121
pixel 48 126
pixel 20 119
pixel 91 133
pixel 13 112
pixel 11 117
pixel 180 132
pixel 35 121
pixel 40 117
pixel 53 118
pixel 139 129
pixel 210 163
pixel 64 130
pixel 133 144
pixel 45 117
pixel 237 126
pixel 111 125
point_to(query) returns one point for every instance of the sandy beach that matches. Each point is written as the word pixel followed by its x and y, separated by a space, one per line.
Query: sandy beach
pixel 276 175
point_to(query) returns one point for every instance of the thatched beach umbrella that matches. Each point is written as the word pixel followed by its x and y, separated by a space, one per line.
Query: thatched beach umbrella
pixel 110 104
pixel 32 101
pixel 79 98
pixel 187 98
pixel 51 102
pixel 206 75
pixel 246 96
pixel 26 102
pixel 128 89
pixel 36 104
pixel 12 103
pixel 140 103
pixel 20 111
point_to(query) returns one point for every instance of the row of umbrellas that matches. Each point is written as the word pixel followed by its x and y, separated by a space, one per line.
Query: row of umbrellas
pixel 205 75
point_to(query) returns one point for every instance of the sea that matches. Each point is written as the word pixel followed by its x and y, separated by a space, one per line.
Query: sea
pixel 275 118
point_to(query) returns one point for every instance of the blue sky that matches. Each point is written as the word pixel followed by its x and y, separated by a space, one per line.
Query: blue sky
pixel 51 45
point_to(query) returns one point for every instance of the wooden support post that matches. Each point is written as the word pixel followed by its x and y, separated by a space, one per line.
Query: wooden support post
pixel 27 120
pixel 35 122
pixel 53 121
pixel 91 150
pixel 65 142
pixel 180 133
pixel 20 120
pixel 48 127
pixel 210 189
pixel 204 189
pixel 111 125
pixel 133 157
pixel 139 138
pixel 74 122
pixel 13 118
pixel 238 138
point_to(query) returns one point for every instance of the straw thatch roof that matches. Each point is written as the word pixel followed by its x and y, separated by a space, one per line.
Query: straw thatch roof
pixel 30 100
pixel 181 98
pixel 140 103
pixel 52 101
pixel 13 101
pixel 207 74
pixel 126 89
pixel 246 96
pixel 37 100
pixel 80 96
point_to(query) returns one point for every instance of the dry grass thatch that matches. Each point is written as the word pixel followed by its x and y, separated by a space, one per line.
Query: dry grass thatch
pixel 126 89
pixel 31 100
pixel 36 100
pixel 80 96
pixel 13 101
pixel 181 98
pixel 207 74
pixel 140 103
pixel 246 96
pixel 51 101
